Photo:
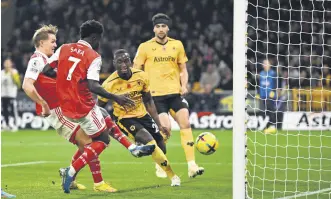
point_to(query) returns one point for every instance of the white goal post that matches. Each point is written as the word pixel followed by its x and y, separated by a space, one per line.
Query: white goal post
pixel 239 90
pixel 282 74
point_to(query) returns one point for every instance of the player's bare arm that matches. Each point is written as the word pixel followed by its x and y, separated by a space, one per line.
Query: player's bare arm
pixel 31 91
pixel 183 78
pixel 151 109
pixel 49 71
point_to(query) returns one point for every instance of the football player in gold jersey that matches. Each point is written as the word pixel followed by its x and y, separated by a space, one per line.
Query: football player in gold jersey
pixel 141 121
pixel 164 60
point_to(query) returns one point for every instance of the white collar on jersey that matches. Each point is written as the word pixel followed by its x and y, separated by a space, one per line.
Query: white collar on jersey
pixel 85 43
pixel 43 54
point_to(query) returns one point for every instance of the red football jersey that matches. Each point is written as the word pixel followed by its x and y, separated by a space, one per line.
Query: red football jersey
pixel 76 63
pixel 46 86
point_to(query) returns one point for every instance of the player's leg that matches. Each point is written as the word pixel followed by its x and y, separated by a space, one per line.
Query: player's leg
pixel 4 106
pixel 162 107
pixel 71 132
pixel 270 109
pixel 13 113
pixel 136 127
pixel 180 106
pixel 94 126
pixel 81 140
pixel 115 132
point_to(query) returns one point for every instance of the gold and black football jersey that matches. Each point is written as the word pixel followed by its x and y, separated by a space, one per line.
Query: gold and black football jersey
pixel 133 88
pixel 161 64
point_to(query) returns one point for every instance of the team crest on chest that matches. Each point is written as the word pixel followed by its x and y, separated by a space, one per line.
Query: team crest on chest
pixel 119 89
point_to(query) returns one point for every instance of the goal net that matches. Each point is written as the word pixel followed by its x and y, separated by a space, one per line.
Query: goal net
pixel 288 87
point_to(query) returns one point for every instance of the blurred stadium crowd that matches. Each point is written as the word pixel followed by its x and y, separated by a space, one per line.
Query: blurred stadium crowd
pixel 296 38
pixel 295 41
pixel 128 23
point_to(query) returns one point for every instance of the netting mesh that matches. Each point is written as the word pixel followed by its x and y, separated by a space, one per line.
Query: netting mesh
pixel 289 83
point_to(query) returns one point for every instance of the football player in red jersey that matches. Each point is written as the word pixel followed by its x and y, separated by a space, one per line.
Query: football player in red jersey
pixel 78 66
pixel 41 88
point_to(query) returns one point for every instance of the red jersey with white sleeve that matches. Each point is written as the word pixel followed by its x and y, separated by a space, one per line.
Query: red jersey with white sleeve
pixel 45 86
pixel 76 63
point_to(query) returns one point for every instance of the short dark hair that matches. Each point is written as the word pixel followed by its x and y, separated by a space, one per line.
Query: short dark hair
pixel 119 52
pixel 160 16
pixel 90 27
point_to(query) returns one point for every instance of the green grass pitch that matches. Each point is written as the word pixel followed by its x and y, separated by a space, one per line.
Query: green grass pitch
pixel 288 164
pixel 134 178
pixel 270 174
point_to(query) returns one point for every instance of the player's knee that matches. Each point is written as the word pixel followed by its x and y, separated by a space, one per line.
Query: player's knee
pixel 184 125
pixel 103 137
pixel 160 142
pixel 165 121
pixel 183 118
pixel 143 136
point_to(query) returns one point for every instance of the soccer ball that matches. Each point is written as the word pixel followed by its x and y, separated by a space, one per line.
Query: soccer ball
pixel 206 143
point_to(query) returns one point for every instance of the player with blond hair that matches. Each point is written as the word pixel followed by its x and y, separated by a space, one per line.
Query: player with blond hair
pixel 40 86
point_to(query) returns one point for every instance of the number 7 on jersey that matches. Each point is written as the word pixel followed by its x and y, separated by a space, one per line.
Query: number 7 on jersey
pixel 76 61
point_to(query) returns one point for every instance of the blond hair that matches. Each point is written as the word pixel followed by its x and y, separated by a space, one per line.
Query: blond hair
pixel 42 33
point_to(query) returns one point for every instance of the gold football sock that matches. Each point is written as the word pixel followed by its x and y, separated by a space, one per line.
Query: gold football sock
pixel 188 144
pixel 160 158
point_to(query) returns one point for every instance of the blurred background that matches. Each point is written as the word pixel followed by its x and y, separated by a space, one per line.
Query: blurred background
pixel 205 28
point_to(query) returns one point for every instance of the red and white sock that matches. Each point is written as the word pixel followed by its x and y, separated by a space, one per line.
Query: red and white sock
pixel 74 158
pixel 117 134
pixel 95 169
pixel 91 152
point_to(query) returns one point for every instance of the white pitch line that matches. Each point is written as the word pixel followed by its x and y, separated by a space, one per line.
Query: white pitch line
pixel 26 163
pixel 307 193
pixel 107 163
pixel 171 163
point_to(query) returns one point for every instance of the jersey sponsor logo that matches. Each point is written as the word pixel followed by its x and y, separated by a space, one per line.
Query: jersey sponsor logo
pixel 133 94
pixel 164 59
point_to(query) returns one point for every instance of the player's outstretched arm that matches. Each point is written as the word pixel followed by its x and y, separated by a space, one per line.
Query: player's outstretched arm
pixel 96 88
pixel 151 109
pixel 31 91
